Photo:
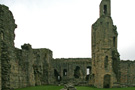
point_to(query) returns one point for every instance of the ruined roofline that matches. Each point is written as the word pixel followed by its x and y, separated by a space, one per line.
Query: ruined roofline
pixel 2 6
pixel 71 58
pixel 47 49
pixel 29 46
pixel 127 61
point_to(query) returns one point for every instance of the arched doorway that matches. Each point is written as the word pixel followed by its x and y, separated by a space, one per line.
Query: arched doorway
pixel 57 75
pixel 107 81
pixel 77 72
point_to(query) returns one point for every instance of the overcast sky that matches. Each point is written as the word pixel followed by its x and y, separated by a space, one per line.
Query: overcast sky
pixel 64 26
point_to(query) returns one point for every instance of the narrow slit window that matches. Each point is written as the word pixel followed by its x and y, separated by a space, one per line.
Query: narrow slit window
pixel 106 62
pixel 105 9
pixel 114 41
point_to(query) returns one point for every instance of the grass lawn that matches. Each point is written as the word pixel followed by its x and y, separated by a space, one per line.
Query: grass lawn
pixel 78 88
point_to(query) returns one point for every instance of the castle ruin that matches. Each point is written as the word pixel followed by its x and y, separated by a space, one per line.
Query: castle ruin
pixel 32 67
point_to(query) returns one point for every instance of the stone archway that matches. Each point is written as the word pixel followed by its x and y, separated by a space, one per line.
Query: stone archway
pixel 107 81
pixel 77 72
pixel 57 75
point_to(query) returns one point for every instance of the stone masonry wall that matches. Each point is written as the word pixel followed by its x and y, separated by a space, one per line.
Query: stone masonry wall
pixel 71 70
pixel 30 67
pixel 105 57
pixel 127 70
pixel 33 66
pixel 17 66
pixel 42 66
pixel 7 27
pixel 0 63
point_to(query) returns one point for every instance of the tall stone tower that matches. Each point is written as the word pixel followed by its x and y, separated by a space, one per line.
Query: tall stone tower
pixel 105 58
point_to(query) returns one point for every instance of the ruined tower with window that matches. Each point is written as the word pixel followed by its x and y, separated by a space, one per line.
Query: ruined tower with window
pixel 105 58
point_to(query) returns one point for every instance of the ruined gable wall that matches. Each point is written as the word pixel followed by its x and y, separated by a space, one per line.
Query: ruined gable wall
pixel 70 65
pixel 127 70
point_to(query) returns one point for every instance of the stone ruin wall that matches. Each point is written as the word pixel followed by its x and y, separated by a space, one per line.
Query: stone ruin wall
pixel 20 67
pixel 34 66
pixel 72 70
pixel 26 67
pixel 7 27
pixel 29 67
pixel 127 70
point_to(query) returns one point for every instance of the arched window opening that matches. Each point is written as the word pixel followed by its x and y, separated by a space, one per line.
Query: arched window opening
pixel 105 9
pixel 106 62
pixel 88 70
pixel 77 72
pixel 65 72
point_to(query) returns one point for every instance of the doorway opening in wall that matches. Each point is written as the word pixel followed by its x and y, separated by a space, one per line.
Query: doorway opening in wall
pixel 65 72
pixel 107 81
pixel 105 9
pixel 57 75
pixel 77 72
pixel 88 72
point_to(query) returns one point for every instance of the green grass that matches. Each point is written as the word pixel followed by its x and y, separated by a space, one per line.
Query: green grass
pixel 42 88
pixel 91 88
pixel 78 88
